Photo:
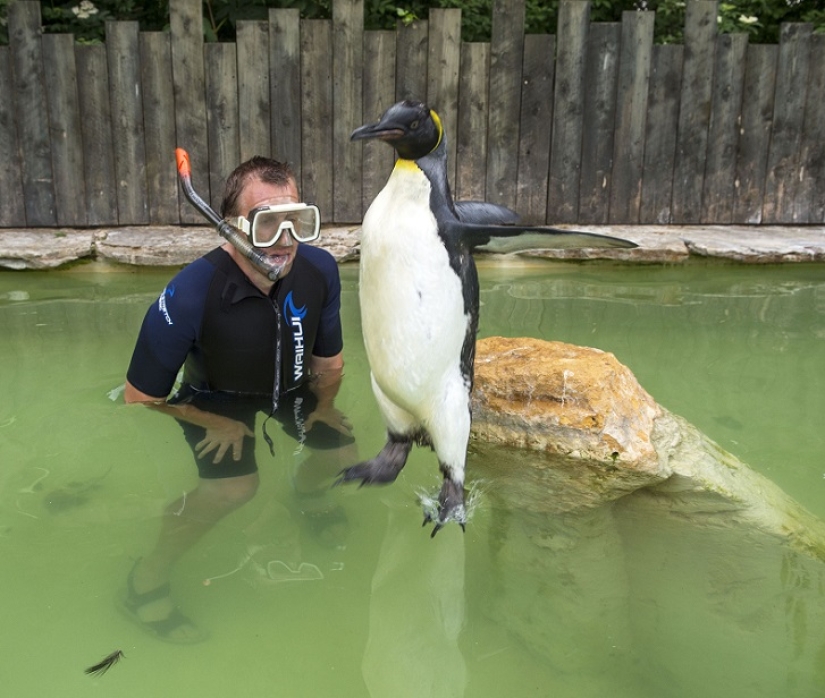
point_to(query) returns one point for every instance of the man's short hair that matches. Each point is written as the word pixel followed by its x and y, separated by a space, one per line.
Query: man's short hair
pixel 267 170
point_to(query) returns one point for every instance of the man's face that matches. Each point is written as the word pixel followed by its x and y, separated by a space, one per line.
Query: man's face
pixel 256 194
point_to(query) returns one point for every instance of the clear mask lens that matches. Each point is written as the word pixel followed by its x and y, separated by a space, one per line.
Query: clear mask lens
pixel 267 224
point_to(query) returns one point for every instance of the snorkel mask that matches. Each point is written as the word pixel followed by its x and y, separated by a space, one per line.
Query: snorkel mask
pixel 263 228
pixel 266 225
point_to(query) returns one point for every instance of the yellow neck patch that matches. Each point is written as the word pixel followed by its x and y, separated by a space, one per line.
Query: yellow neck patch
pixel 403 164
pixel 437 122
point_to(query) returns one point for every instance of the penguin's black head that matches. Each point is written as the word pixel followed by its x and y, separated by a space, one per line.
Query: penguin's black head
pixel 412 128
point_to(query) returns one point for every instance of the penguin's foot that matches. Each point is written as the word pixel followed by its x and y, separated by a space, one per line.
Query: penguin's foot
pixel 450 507
pixel 381 470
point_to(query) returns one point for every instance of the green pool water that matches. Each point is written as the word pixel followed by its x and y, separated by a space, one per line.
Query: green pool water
pixel 613 602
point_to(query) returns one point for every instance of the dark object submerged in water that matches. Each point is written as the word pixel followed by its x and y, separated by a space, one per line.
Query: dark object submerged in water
pixel 74 494
pixel 106 663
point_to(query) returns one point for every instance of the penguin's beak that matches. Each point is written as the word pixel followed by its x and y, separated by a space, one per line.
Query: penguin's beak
pixel 381 130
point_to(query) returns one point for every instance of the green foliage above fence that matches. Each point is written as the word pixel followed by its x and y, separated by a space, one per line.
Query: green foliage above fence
pixel 86 19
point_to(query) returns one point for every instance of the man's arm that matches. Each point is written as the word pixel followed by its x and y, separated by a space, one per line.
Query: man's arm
pixel 325 375
pixel 221 432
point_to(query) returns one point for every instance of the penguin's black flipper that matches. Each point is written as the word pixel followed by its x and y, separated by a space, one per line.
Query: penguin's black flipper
pixel 485 213
pixel 505 238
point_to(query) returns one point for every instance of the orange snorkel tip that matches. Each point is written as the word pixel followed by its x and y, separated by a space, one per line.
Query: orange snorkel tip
pixel 182 159
pixel 268 267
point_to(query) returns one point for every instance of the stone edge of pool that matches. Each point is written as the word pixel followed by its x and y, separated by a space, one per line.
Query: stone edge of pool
pixel 50 248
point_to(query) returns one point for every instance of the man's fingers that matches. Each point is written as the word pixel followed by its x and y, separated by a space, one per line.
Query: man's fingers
pixel 222 440
pixel 220 454
pixel 205 446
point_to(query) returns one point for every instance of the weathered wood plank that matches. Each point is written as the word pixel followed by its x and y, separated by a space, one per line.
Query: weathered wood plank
pixel 96 126
pixel 565 151
pixel 444 58
pixel 222 116
pixel 472 134
pixel 599 121
pixel 694 112
pixel 348 101
pixel 316 94
pixel 123 51
pixel 285 86
pixel 60 73
pixel 252 42
pixel 660 134
pixel 411 61
pixel 12 210
pixel 506 60
pixel 31 113
pixel 379 95
pixel 809 202
pixel 723 134
pixel 538 73
pixel 631 117
pixel 186 27
pixel 788 117
pixel 159 126
pixel 755 133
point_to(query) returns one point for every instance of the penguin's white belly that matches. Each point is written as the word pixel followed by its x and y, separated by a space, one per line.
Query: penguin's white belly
pixel 412 304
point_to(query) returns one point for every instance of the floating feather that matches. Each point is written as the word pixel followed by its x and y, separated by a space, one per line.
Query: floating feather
pixel 106 663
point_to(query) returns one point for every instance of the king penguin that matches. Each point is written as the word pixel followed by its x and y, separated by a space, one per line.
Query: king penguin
pixel 419 300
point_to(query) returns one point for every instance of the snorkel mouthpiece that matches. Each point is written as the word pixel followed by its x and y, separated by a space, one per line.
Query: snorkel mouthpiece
pixel 264 264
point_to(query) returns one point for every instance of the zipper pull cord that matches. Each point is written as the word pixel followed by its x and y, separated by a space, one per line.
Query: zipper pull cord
pixel 276 388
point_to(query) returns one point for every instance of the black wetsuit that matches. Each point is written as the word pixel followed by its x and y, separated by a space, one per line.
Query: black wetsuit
pixel 222 329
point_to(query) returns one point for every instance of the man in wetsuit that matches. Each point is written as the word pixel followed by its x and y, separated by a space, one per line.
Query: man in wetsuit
pixel 246 344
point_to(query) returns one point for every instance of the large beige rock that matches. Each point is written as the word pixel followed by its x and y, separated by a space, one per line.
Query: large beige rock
pixel 619 530
pixel 567 401
pixel 603 436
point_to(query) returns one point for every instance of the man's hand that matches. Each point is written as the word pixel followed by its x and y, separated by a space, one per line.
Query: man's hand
pixel 221 433
pixel 332 417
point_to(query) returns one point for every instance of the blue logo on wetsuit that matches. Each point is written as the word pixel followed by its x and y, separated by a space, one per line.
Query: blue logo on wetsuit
pixel 295 318
pixel 164 310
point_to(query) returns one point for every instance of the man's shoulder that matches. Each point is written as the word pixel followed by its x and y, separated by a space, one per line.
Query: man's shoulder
pixel 190 285
pixel 198 272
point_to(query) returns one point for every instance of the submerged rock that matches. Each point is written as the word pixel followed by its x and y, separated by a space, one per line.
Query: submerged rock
pixel 616 530
pixel 601 436
pixel 579 407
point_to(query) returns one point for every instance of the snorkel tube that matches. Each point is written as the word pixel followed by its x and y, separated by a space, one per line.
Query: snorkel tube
pixel 239 241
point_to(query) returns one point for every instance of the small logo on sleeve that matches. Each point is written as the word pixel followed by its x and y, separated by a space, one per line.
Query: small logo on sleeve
pixel 169 291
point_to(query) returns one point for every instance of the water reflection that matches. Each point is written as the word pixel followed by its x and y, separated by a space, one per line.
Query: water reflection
pixel 674 595
pixel 416 614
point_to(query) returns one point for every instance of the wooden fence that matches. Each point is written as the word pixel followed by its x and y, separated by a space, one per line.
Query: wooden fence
pixel 595 124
